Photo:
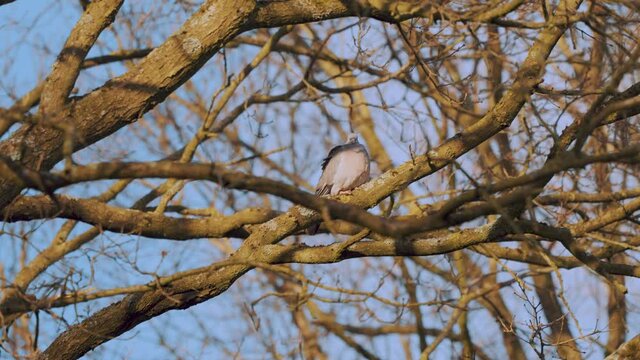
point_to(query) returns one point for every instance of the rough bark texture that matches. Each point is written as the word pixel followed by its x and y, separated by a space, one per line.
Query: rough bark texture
pixel 127 313
pixel 124 99
pixel 474 216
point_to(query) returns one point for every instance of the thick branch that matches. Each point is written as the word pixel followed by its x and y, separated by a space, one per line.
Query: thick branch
pixel 391 227
pixel 124 99
pixel 98 15
pixel 120 220
pixel 134 309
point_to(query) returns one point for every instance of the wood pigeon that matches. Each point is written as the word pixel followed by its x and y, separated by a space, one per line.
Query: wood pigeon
pixel 344 169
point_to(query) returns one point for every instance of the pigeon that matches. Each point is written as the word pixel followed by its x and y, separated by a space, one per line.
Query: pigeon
pixel 344 169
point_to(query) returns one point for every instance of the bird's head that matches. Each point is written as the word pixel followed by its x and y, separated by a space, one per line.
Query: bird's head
pixel 352 138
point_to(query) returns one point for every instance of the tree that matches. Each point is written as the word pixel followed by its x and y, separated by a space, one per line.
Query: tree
pixel 167 157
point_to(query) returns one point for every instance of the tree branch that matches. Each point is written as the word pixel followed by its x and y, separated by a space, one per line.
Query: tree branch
pixel 136 222
pixel 64 72
pixel 134 309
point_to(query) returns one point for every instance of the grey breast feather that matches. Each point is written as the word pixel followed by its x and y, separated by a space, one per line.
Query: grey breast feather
pixel 345 168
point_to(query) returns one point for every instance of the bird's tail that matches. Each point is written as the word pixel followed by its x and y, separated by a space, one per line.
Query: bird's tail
pixel 313 229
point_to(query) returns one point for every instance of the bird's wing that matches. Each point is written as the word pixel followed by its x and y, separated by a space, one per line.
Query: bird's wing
pixel 329 170
pixel 335 150
pixel 330 166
